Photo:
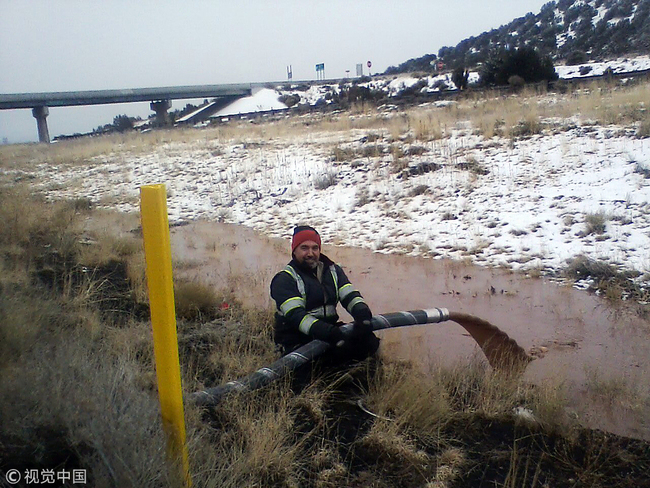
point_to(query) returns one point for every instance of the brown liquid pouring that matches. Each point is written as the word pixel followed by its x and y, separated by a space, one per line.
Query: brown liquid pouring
pixel 502 352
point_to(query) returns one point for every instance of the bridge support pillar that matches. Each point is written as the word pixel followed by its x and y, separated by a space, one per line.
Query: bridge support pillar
pixel 161 107
pixel 41 113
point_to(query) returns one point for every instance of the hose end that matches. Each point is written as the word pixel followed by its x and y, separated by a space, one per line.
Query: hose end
pixel 436 315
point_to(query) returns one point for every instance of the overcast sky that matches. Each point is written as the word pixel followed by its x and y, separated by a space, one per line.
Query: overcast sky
pixel 68 45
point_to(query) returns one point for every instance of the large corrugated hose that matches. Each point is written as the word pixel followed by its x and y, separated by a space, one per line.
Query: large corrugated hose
pixel 501 351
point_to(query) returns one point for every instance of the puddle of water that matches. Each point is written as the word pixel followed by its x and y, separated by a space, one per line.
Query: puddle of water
pixel 601 355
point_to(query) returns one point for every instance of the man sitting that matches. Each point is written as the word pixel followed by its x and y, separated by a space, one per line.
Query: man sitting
pixel 306 293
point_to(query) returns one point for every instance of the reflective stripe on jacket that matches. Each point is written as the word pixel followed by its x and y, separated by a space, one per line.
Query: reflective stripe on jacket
pixel 302 299
pixel 326 311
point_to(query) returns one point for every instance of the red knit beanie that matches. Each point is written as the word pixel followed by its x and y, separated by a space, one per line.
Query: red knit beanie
pixel 304 233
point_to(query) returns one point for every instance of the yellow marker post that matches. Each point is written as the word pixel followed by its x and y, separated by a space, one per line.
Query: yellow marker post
pixel 157 249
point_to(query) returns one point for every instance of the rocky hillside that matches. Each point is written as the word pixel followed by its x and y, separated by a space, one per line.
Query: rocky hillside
pixel 570 31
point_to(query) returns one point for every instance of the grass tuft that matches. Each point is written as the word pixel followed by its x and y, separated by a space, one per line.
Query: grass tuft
pixel 329 178
pixel 642 170
pixel 195 301
pixel 607 279
pixel 595 223
pixel 643 130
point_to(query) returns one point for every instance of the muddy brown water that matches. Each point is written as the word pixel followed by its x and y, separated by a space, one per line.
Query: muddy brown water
pixel 599 354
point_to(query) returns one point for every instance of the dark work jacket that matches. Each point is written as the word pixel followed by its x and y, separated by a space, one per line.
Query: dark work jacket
pixel 321 298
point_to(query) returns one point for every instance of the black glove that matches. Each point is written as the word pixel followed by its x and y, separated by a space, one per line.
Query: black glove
pixel 362 319
pixel 336 337
pixel 361 312
pixel 327 332
pixel 362 327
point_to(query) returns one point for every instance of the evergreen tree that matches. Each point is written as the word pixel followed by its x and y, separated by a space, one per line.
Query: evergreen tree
pixel 460 77
pixel 122 123
pixel 524 62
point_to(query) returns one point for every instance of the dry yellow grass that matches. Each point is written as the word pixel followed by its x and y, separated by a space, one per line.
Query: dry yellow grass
pixel 250 444
pixel 70 391
pixel 427 127
pixel 398 391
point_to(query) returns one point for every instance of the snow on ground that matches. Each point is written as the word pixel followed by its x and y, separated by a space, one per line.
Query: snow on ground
pixel 265 99
pixel 528 203
pixel 621 65
pixel 261 100
pixel 394 85
pixel 523 204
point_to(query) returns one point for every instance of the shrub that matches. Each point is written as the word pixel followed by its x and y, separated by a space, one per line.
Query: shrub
pixel 356 93
pixel 122 123
pixel 223 214
pixel 640 169
pixel 524 62
pixel 424 129
pixel 607 279
pixel 289 100
pixel 460 77
pixel 440 85
pixel 325 180
pixel 416 150
pixel 371 137
pixel 576 57
pixel 419 190
pixel 194 300
pixel 341 154
pixel 371 151
pixel 362 197
pixel 413 90
pixel 644 128
pixel 473 166
pixel 595 223
pixel 526 127
pixel 516 81
pixel 585 70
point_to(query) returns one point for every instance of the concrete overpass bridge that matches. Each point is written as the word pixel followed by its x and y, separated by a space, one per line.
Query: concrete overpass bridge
pixel 160 99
